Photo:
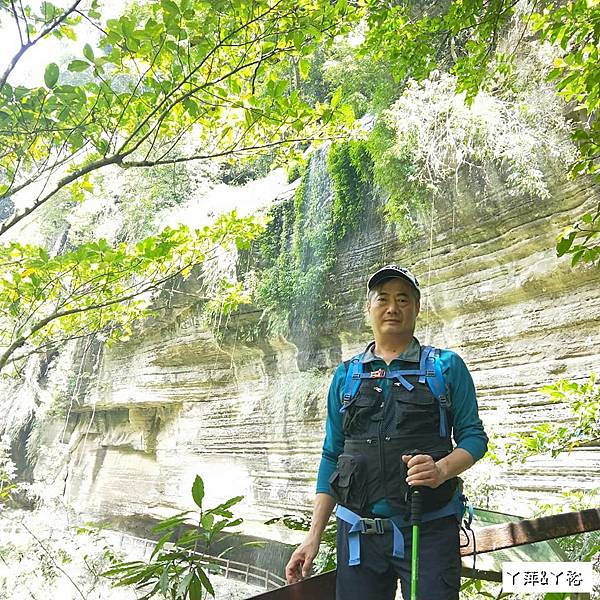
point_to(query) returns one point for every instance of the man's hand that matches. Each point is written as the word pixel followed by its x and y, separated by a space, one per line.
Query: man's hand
pixel 424 471
pixel 301 560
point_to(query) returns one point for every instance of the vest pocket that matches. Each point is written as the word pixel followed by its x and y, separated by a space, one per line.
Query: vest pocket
pixel 348 481
pixel 359 414
pixel 395 478
pixel 416 413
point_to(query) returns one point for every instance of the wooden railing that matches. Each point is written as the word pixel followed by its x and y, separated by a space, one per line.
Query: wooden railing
pixel 488 539
pixel 322 587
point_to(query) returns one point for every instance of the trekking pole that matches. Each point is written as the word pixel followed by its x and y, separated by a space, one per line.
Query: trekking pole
pixel 416 505
pixel 416 512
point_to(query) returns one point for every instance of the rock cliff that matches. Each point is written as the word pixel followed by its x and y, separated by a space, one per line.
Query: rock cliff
pixel 247 411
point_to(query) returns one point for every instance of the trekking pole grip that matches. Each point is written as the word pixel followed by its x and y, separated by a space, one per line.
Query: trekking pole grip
pixel 416 498
pixel 416 506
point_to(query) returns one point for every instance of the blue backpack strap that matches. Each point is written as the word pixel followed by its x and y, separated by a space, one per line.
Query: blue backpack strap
pixel 437 385
pixel 399 375
pixel 352 381
pixel 378 374
pixel 426 365
pixel 426 369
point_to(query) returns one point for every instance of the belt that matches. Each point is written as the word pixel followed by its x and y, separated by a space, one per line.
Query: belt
pixel 365 526
pixel 377 526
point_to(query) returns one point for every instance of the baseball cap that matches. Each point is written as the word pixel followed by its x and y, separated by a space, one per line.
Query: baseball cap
pixel 391 271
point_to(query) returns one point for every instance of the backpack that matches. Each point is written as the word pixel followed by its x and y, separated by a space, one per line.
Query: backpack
pixel 429 371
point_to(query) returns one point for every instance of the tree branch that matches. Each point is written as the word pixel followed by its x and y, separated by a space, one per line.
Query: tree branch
pixel 25 20
pixel 16 16
pixel 56 565
pixel 171 161
pixel 188 77
pixel 98 164
pixel 18 343
pixel 52 344
pixel 24 47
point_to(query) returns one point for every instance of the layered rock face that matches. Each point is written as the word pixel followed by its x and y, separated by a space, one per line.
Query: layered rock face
pixel 249 415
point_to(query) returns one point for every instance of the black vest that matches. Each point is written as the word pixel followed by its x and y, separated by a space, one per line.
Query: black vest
pixel 379 428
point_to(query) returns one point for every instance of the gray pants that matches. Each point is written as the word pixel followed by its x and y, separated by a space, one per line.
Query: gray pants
pixel 376 577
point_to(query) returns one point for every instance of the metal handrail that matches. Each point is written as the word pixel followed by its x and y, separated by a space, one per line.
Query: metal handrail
pixel 232 569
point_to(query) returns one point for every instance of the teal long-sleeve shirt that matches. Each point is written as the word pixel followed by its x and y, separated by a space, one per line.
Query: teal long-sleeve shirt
pixel 467 428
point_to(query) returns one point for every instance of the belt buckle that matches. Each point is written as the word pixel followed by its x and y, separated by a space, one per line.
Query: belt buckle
pixel 371 526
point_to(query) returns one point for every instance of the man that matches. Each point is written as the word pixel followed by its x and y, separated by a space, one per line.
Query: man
pixel 387 433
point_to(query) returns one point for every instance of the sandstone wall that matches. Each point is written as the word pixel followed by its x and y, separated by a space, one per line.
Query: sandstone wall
pixel 249 415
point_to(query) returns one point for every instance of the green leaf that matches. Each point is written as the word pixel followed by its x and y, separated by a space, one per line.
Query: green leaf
pixel 223 524
pixel 142 576
pixel 198 491
pixel 69 33
pixel 297 39
pixel 78 65
pixel 164 580
pixel 49 11
pixel 587 218
pixel 191 107
pixel 304 67
pixel 51 75
pixel 195 588
pixel 221 509
pixel 235 522
pixel 336 98
pixel 234 85
pixel 163 540
pixel 577 255
pixel 189 538
pixel 280 88
pixel 171 522
pixel 88 52
pixel 184 584
pixel 565 243
pixel 123 567
pixel 169 6
pixel 205 580
pixel 208 520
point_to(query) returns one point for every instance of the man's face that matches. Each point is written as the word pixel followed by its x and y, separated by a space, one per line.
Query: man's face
pixel 393 308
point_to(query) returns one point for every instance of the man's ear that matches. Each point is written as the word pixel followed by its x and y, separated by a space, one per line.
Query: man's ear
pixel 418 307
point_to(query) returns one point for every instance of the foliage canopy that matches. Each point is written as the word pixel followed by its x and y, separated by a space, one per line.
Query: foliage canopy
pixel 165 83
pixel 159 73
pixel 98 288
pixel 173 81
